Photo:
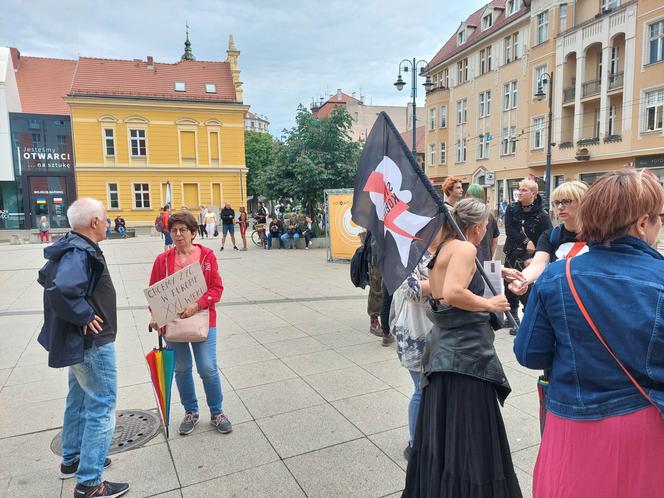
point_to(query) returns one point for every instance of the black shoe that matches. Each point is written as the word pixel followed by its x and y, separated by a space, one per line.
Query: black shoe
pixel 235 247
pixel 407 452
pixel 69 471
pixel 105 489
pixel 221 248
pixel 387 340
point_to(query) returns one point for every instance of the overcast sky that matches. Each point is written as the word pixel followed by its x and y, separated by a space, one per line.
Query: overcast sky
pixel 291 51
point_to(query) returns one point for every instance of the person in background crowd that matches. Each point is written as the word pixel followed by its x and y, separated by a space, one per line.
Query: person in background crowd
pixel 242 223
pixel 501 209
pixel 201 222
pixel 461 448
pixel 260 218
pixel 120 226
pixel 44 227
pixel 453 188
pixel 275 229
pixel 183 227
pixel 291 234
pixel 165 216
pixel 386 303
pixel 228 225
pixel 375 298
pixel 108 227
pixel 80 326
pixel 409 323
pixel 525 222
pixel 210 223
pixel 487 247
pixel 559 242
pixel 308 229
pixel 604 434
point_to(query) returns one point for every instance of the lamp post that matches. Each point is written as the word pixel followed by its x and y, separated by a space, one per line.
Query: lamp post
pixel 544 79
pixel 412 65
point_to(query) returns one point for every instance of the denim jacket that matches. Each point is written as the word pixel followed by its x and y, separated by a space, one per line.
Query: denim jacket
pixel 622 287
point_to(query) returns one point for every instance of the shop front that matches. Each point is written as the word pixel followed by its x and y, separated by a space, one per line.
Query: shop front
pixel 44 170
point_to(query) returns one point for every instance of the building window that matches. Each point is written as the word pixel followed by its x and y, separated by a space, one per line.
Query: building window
pixel 562 24
pixel 62 143
pixel 512 6
pixel 507 43
pixel 509 141
pixel 485 60
pixel 487 21
pixel 443 116
pixel 483 145
pixel 539 79
pixel 509 95
pixel 654 110
pixel 462 71
pixel 538 133
pixel 613 63
pixel 485 103
pixel 462 111
pixel 141 195
pixel 461 150
pixel 608 5
pixel 36 138
pixel 516 49
pixel 113 196
pixel 188 145
pixel 612 120
pixel 656 41
pixel 461 37
pixel 210 88
pixel 432 118
pixel 180 86
pixel 138 148
pixel 446 78
pixel 542 33
pixel 109 141
pixel 432 154
pixel 443 153
pixel 214 145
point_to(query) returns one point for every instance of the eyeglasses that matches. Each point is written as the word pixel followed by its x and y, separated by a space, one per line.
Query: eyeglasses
pixel 180 231
pixel 563 203
pixel 661 218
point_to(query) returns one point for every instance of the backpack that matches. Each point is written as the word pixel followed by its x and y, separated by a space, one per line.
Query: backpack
pixel 159 224
pixel 359 264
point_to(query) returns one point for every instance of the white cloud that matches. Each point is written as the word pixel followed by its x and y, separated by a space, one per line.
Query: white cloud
pixel 291 51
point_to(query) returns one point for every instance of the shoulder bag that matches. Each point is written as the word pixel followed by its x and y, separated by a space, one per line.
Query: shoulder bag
pixel 192 329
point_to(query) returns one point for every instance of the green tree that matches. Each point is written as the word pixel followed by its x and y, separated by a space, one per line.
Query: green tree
pixel 315 155
pixel 259 153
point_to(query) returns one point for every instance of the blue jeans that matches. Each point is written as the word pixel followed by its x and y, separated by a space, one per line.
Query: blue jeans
pixel 414 405
pixel 90 413
pixel 205 354
pixel 270 236
pixel 284 239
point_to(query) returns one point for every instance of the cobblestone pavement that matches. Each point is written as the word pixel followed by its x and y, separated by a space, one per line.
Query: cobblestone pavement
pixel 319 407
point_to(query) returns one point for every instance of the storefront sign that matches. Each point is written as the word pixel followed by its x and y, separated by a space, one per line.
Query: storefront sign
pixel 43 158
pixel 650 161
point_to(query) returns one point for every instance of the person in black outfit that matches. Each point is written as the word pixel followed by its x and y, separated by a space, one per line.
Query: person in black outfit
pixel 276 228
pixel 525 221
pixel 260 219
pixel 308 230
pixel 228 225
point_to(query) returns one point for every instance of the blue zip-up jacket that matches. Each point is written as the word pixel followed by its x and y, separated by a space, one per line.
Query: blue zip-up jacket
pixel 69 278
pixel 622 287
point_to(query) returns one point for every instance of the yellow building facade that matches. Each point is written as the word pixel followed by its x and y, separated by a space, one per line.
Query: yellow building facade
pixel 129 148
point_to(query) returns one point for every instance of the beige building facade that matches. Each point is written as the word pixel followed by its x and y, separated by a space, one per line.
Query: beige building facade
pixel 606 62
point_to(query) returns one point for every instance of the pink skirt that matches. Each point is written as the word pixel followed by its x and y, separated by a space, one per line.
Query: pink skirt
pixel 617 457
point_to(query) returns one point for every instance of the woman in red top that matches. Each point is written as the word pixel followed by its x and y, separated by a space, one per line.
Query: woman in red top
pixel 242 221
pixel 183 228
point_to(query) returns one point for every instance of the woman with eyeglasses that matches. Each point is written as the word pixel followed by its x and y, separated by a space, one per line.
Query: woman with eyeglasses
pixel 596 322
pixel 558 242
pixel 183 227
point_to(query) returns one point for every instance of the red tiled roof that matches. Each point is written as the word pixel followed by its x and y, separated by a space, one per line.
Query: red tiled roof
pixel 450 48
pixel 419 138
pixel 42 83
pixel 125 78
pixel 338 99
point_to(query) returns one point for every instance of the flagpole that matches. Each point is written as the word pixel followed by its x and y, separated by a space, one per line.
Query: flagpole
pixel 442 208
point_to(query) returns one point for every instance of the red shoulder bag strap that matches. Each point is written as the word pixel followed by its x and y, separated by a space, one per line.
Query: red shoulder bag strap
pixel 576 249
pixel 586 315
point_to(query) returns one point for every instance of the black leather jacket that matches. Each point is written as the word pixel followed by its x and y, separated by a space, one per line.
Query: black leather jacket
pixel 521 227
pixel 462 342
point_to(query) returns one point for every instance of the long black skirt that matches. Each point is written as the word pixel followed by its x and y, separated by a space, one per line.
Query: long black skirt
pixel 460 448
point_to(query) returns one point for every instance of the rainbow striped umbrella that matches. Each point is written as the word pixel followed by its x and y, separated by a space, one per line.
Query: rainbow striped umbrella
pixel 161 362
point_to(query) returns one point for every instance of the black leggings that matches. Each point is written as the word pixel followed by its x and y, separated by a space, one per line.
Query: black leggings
pixel 385 311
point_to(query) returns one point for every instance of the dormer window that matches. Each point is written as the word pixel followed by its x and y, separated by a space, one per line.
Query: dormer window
pixel 210 88
pixel 180 86
pixel 512 6
pixel 461 38
pixel 487 21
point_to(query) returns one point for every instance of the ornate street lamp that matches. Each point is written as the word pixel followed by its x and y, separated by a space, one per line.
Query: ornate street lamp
pixel 547 79
pixel 413 65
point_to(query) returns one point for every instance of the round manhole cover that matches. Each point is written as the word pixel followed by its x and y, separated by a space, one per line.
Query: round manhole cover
pixel 133 428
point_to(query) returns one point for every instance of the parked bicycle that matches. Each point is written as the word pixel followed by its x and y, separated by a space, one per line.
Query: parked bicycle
pixel 258 236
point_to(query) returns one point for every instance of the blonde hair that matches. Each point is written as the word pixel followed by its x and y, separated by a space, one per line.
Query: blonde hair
pixel 574 190
pixel 529 184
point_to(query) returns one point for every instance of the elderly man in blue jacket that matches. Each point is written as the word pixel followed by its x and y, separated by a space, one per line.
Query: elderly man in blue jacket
pixel 80 324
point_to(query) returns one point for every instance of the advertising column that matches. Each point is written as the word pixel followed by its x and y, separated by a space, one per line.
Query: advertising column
pixel 343 234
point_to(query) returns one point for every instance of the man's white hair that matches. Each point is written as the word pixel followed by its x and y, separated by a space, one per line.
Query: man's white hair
pixel 81 212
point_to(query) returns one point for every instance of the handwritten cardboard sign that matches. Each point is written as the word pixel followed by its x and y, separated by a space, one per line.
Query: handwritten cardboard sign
pixel 171 295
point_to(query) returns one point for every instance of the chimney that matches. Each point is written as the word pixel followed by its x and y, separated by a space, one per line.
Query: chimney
pixel 150 62
pixel 338 93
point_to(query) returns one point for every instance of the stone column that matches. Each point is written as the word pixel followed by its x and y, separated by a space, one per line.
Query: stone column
pixel 603 90
pixel 580 76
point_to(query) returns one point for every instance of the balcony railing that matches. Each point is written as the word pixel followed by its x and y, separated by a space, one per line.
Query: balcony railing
pixel 591 87
pixel 588 141
pixel 569 94
pixel 616 80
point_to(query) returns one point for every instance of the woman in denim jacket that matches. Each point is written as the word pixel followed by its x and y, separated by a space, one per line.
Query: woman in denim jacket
pixel 602 437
